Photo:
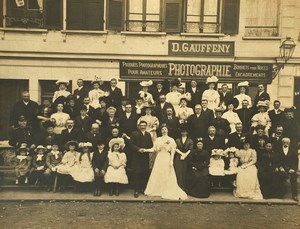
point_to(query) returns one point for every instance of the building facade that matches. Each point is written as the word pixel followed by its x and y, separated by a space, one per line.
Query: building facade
pixel 42 41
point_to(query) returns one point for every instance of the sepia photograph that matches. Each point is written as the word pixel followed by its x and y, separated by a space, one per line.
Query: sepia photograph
pixel 149 114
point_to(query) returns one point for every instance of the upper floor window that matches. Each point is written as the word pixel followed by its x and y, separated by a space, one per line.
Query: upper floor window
pixel 261 18
pixel 34 13
pixel 212 16
pixel 85 14
pixel 143 15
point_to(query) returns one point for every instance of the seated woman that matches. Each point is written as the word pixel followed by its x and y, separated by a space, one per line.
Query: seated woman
pixel 59 118
pixel 198 182
pixel 163 181
pixel 247 185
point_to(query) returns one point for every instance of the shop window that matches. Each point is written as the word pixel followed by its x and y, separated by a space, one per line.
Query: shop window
pixel 204 16
pixel 172 16
pixel 85 14
pixel 144 15
pixel 115 15
pixel 10 93
pixel 261 18
pixel 34 13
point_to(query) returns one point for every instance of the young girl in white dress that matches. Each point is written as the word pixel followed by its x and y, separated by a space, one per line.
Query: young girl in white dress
pixel 83 171
pixel 116 174
pixel 211 95
pixel 174 96
pixel 216 163
pixel 163 181
pixel 70 159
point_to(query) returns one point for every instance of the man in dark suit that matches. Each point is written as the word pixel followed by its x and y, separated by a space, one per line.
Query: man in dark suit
pixel 128 124
pixel 212 141
pixel 225 96
pixel 262 95
pixel 94 135
pixel 245 114
pixel 89 109
pixel 290 126
pixel 115 94
pixel 80 92
pixel 172 122
pixel 26 107
pixel 276 115
pixel 140 140
pixel 208 113
pixel 160 110
pixel 158 91
pixel 196 94
pixel 70 134
pixel 121 110
pixel 83 121
pixel 276 137
pixel 197 123
pixel 288 163
pixel 237 138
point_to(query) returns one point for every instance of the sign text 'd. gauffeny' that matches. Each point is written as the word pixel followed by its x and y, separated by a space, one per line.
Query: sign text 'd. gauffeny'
pixel 201 48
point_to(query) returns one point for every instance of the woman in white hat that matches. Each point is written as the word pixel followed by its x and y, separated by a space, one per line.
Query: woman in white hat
pixel 242 86
pixel 174 96
pixel 211 95
pixel 231 116
pixel 144 94
pixel 96 92
pixel 62 90
pixel 262 118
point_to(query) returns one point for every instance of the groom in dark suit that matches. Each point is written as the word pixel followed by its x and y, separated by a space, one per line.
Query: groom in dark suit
pixel 139 141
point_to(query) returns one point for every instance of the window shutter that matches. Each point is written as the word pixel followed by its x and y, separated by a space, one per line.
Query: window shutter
pixel 115 15
pixel 173 16
pixel 1 15
pixel 53 14
pixel 230 16
pixel 94 14
pixel 75 14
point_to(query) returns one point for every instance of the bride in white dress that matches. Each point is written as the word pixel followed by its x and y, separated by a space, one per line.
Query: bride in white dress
pixel 163 181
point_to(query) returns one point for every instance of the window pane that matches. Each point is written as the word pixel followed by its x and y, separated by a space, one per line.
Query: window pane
pixel 194 9
pixel 261 18
pixel 173 15
pixel 115 15
pixel 153 6
pixel 210 7
pixel 136 6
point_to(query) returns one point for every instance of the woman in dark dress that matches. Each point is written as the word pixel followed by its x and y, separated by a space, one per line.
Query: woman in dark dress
pixel 184 147
pixel 271 182
pixel 197 182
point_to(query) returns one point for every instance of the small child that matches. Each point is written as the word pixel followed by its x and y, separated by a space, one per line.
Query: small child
pixel 53 159
pixel 100 164
pixel 39 164
pixel 216 166
pixel 232 163
pixel 23 163
pixel 83 172
pixel 116 173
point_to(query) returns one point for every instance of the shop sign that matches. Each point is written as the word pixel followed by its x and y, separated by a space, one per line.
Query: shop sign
pixel 201 48
pixel 132 69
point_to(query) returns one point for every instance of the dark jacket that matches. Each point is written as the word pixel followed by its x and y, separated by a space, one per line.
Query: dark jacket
pixel 30 111
pixel 173 126
pixel 195 97
pixel 84 124
pixel 237 140
pixel 245 116
pixel 289 161
pixel 197 126
pixel 263 97
pixel 128 125
pixel 161 113
pixel 22 135
pixel 75 135
pixel 224 100
pixel 140 161
pixel 100 161
pixel 115 97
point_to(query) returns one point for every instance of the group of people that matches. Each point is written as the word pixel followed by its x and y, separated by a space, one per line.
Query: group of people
pixel 167 143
